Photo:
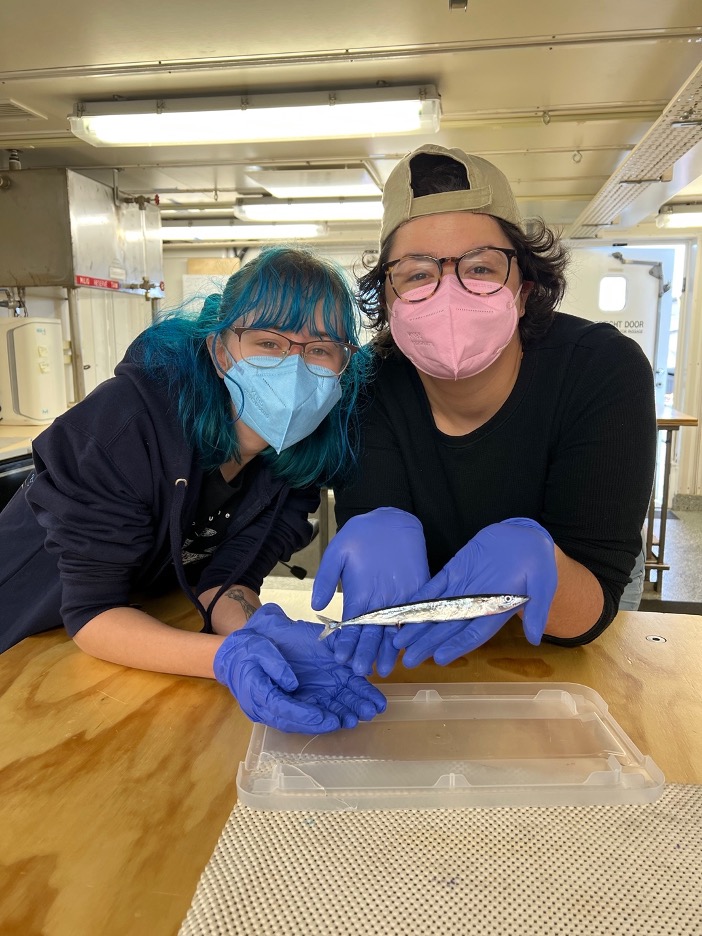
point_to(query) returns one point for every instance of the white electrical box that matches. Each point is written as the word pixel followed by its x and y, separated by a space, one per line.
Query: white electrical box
pixel 32 382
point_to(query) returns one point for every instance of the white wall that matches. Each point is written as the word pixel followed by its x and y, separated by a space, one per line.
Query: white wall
pixel 175 268
pixel 688 377
pixel 175 265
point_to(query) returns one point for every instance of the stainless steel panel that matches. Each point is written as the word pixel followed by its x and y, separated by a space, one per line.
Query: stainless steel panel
pixel 60 228
pixel 35 235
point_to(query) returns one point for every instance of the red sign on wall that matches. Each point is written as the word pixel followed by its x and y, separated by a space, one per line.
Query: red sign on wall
pixel 99 283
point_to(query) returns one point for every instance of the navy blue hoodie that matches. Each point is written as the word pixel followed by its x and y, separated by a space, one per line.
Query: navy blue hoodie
pixel 103 515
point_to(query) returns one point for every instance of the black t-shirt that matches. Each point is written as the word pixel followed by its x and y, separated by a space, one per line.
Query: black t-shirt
pixel 217 505
pixel 573 447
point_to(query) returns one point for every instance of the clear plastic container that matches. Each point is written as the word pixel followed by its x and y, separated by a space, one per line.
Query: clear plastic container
pixel 465 744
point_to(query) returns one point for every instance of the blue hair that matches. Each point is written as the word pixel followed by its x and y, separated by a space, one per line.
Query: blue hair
pixel 282 288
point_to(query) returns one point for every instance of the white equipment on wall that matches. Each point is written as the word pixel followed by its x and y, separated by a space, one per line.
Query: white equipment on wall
pixel 32 382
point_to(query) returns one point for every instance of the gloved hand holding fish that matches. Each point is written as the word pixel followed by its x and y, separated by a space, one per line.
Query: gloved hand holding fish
pixel 515 557
pixel 283 676
pixel 381 559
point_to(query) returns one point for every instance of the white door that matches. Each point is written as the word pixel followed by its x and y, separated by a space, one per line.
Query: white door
pixel 630 289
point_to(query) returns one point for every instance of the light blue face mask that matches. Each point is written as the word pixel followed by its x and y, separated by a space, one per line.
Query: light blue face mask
pixel 282 404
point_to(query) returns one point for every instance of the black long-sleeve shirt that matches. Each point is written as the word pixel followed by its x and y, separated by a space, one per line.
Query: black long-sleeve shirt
pixel 573 447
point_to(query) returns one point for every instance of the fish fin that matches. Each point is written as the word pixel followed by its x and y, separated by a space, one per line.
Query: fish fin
pixel 330 625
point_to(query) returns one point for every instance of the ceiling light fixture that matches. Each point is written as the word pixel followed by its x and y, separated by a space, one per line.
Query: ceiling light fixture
pixel 316 183
pixel 319 209
pixel 198 211
pixel 258 117
pixel 240 232
pixel 682 215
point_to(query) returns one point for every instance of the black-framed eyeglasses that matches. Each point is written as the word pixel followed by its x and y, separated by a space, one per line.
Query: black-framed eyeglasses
pixel 481 271
pixel 264 348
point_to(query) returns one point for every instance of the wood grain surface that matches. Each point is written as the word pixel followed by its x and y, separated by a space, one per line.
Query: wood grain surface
pixel 115 784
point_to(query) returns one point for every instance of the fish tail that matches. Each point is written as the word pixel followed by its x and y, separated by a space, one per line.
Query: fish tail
pixel 330 626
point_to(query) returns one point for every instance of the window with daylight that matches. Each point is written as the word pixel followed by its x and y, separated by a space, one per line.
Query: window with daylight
pixel 612 293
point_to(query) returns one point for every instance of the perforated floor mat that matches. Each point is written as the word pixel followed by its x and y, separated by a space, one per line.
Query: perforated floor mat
pixel 580 871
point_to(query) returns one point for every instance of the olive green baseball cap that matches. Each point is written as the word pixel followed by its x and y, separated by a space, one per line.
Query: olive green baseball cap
pixel 488 192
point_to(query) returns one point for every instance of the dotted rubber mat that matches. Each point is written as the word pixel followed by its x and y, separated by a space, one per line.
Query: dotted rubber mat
pixel 580 871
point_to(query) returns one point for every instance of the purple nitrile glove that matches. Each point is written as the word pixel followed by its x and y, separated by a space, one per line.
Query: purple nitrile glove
pixel 283 675
pixel 515 557
pixel 381 559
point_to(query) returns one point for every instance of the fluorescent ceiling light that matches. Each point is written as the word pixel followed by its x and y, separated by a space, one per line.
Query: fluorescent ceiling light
pixel 258 117
pixel 680 216
pixel 272 210
pixel 315 183
pixel 240 232
pixel 202 212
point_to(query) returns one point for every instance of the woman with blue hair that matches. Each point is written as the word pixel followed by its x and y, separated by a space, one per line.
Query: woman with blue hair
pixel 200 460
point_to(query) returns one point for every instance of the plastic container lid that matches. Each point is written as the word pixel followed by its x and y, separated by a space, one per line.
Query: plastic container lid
pixel 449 745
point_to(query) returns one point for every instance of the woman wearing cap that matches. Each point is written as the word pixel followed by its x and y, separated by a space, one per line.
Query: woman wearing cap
pixel 518 443
pixel 199 461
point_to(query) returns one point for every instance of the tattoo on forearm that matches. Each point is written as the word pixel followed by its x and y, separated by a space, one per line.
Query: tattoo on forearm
pixel 236 594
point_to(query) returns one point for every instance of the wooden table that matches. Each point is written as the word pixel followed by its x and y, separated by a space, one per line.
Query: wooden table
pixel 115 784
pixel 670 420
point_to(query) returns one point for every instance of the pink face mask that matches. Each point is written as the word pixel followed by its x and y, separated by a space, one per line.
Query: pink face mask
pixel 454 333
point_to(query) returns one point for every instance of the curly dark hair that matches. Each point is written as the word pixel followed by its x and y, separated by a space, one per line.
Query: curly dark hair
pixel 541 256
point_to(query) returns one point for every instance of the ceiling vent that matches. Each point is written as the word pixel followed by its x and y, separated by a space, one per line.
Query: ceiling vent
pixel 676 131
pixel 12 110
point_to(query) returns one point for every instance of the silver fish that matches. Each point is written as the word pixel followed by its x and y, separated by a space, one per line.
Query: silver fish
pixel 433 611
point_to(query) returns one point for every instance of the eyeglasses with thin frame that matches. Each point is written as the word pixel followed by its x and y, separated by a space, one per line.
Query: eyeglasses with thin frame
pixel 264 348
pixel 482 271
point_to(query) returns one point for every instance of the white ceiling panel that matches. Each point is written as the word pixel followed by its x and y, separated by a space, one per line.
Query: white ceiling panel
pixel 528 85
